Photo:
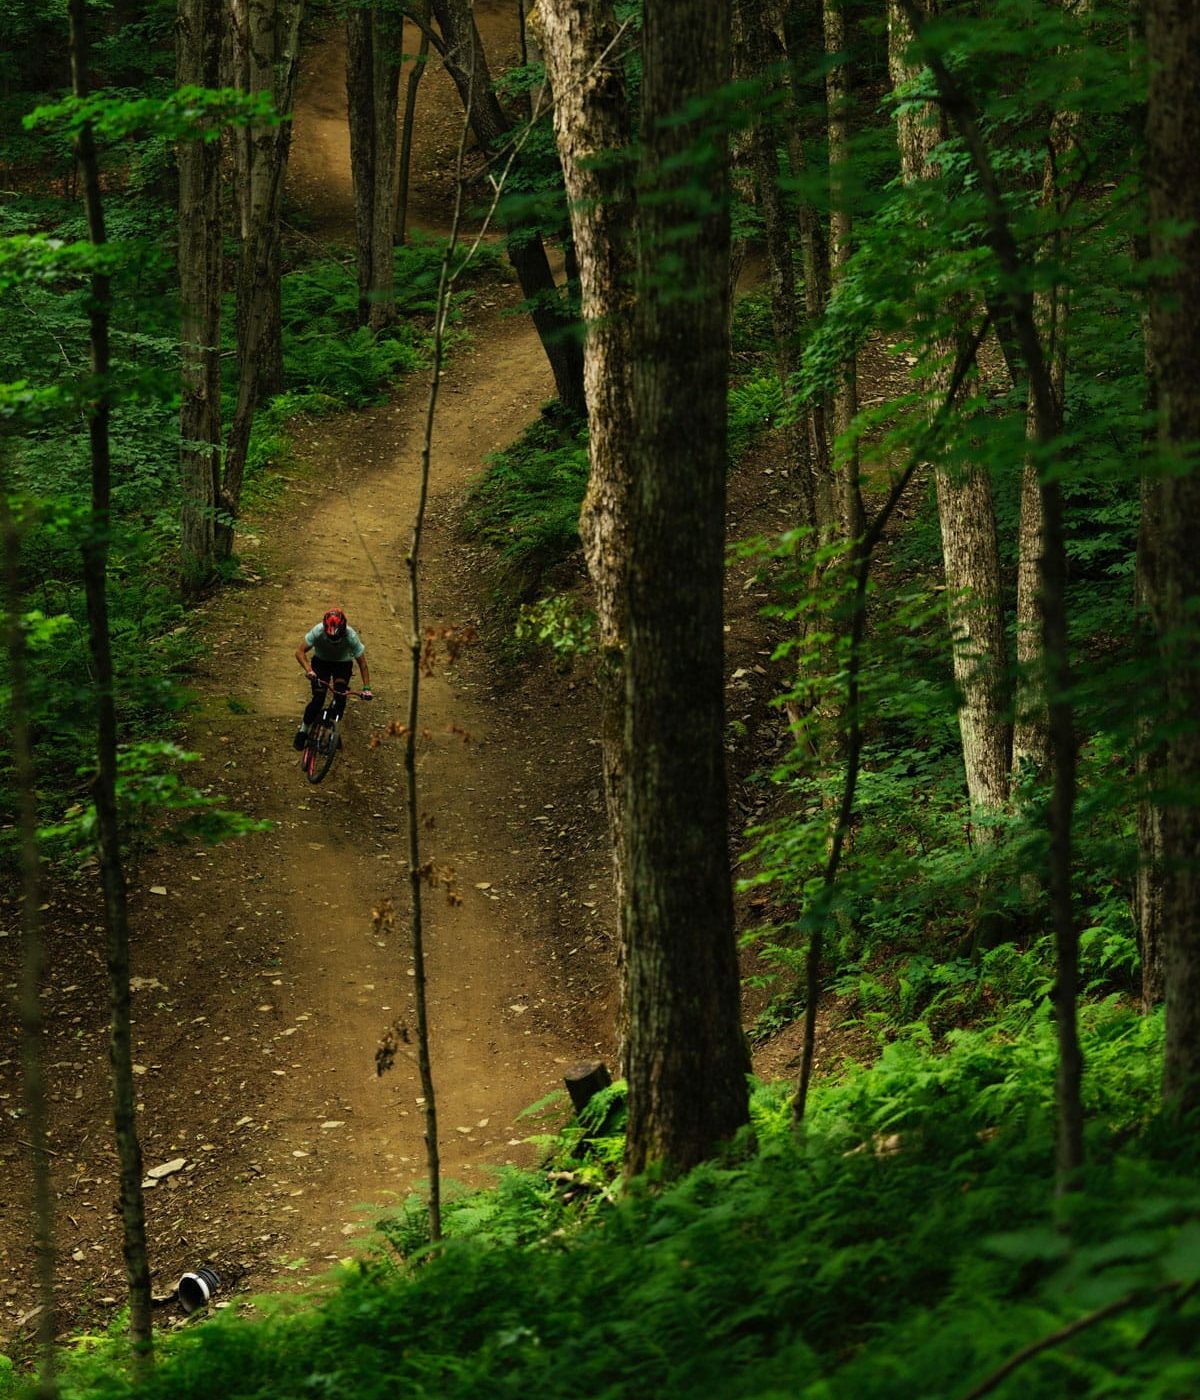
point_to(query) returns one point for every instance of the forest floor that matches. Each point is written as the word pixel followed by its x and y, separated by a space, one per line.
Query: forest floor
pixel 264 977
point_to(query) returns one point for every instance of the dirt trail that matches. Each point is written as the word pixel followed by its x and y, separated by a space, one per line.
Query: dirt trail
pixel 262 984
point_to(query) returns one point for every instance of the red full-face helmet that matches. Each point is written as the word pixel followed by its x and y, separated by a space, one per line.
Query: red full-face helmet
pixel 335 624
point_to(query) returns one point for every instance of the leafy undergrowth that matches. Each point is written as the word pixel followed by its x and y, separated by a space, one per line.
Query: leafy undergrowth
pixel 906 1246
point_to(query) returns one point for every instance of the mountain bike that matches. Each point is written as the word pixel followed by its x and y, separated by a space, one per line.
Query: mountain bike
pixel 323 739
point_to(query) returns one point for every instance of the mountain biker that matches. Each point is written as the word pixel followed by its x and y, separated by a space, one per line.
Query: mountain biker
pixel 335 646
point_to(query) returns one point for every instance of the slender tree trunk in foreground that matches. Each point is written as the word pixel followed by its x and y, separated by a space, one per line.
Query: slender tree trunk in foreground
pixel 467 65
pixel 198 33
pixel 861 571
pixel 1150 759
pixel 1148 890
pixel 685 1059
pixel 967 517
pixel 33 1024
pixel 104 785
pixel 1173 136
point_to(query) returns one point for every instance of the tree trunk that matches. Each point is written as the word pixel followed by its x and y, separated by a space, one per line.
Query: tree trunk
pixel 1148 889
pixel 967 517
pixel 404 164
pixel 104 784
pixel 467 65
pixel 258 290
pixel 814 263
pixel 265 41
pixel 1173 134
pixel 841 230
pixel 33 959
pixel 373 43
pixel 685 1057
pixel 591 120
pixel 1149 912
pixel 198 62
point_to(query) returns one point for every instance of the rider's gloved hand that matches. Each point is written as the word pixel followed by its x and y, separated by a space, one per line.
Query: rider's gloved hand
pixel 367 695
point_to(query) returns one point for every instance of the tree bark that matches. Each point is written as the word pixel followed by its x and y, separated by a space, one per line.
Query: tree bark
pixel 1148 888
pixel 1172 134
pixel 198 31
pixel 467 65
pixel 104 784
pixel 373 43
pixel 685 1057
pixel 591 126
pixel 258 290
pixel 265 35
pixel 967 518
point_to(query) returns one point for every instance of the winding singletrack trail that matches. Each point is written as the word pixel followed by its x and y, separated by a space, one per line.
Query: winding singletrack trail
pixel 264 977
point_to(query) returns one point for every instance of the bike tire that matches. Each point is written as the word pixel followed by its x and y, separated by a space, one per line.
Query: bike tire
pixel 318 756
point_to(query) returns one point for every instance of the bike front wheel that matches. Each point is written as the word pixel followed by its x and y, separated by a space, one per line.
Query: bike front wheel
pixel 319 751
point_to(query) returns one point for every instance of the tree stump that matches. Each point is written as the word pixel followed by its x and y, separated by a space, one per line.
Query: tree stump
pixel 584 1081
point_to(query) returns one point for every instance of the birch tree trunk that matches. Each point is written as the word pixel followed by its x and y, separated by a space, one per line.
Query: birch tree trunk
pixel 1172 138
pixel 685 1057
pixel 104 784
pixel 967 517
pixel 198 32
pixel 467 65
pixel 592 131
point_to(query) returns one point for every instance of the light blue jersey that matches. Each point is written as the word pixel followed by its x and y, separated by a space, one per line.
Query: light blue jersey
pixel 347 648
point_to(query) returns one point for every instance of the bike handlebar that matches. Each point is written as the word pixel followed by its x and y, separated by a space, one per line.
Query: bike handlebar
pixel 329 685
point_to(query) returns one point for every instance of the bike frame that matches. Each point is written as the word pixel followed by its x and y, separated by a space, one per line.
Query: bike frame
pixel 323 741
